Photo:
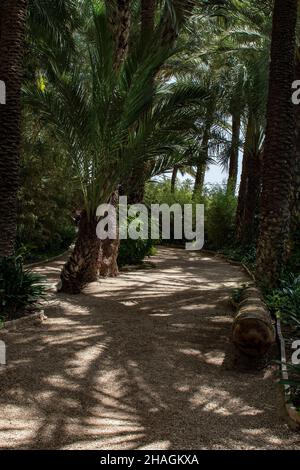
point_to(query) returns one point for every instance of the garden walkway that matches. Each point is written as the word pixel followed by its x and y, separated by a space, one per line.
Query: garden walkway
pixel 139 362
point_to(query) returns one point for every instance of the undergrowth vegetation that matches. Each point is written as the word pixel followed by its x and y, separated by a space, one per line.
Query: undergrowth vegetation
pixel 20 289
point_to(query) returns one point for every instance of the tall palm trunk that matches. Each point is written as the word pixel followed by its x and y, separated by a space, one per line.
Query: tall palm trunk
pixel 12 27
pixel 147 20
pixel 294 239
pixel 174 178
pixel 118 14
pixel 83 264
pixel 120 19
pixel 201 167
pixel 295 188
pixel 169 30
pixel 134 187
pixel 199 180
pixel 246 225
pixel 234 152
pixel 279 146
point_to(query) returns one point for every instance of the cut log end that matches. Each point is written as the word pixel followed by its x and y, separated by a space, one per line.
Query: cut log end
pixel 253 330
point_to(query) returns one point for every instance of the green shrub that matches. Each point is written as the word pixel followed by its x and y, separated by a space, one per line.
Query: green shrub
pixel 294 384
pixel 19 288
pixel 245 255
pixel 284 302
pixel 134 251
pixel 160 193
pixel 220 208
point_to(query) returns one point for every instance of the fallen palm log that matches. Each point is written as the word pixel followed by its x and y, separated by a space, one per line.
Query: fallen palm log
pixel 253 330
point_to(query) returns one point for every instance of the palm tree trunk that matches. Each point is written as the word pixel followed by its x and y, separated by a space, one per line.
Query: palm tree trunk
pixel 120 28
pixel 168 29
pixel 295 187
pixel 243 191
pixel 83 264
pixel 147 20
pixel 279 147
pixel 134 186
pixel 199 180
pixel 174 179
pixel 109 250
pixel 12 28
pixel 234 153
pixel 201 167
pixel 119 19
pixel 246 225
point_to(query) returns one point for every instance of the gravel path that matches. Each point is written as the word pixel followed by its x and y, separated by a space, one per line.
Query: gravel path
pixel 139 362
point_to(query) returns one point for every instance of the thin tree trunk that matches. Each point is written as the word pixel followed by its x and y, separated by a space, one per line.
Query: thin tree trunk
pixel 234 153
pixel 199 180
pixel 174 179
pixel 246 225
pixel 201 167
pixel 83 264
pixel 243 190
pixel 12 29
pixel 279 147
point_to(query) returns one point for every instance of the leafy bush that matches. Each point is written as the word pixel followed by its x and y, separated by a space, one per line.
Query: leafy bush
pixel 285 301
pixel 220 209
pixel 220 217
pixel 134 251
pixel 160 193
pixel 294 384
pixel 19 288
pixel 245 255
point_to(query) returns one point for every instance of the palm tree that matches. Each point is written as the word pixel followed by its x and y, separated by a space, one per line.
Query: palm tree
pixel 173 16
pixel 204 153
pixel 12 46
pixel 110 119
pixel 279 146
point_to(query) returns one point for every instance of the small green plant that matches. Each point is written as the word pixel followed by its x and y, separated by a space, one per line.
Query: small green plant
pixel 293 383
pixel 237 295
pixel 20 289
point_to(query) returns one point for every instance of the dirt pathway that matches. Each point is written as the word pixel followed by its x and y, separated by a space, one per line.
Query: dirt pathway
pixel 138 362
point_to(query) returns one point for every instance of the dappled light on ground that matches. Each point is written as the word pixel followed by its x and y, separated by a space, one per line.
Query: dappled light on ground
pixel 139 362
